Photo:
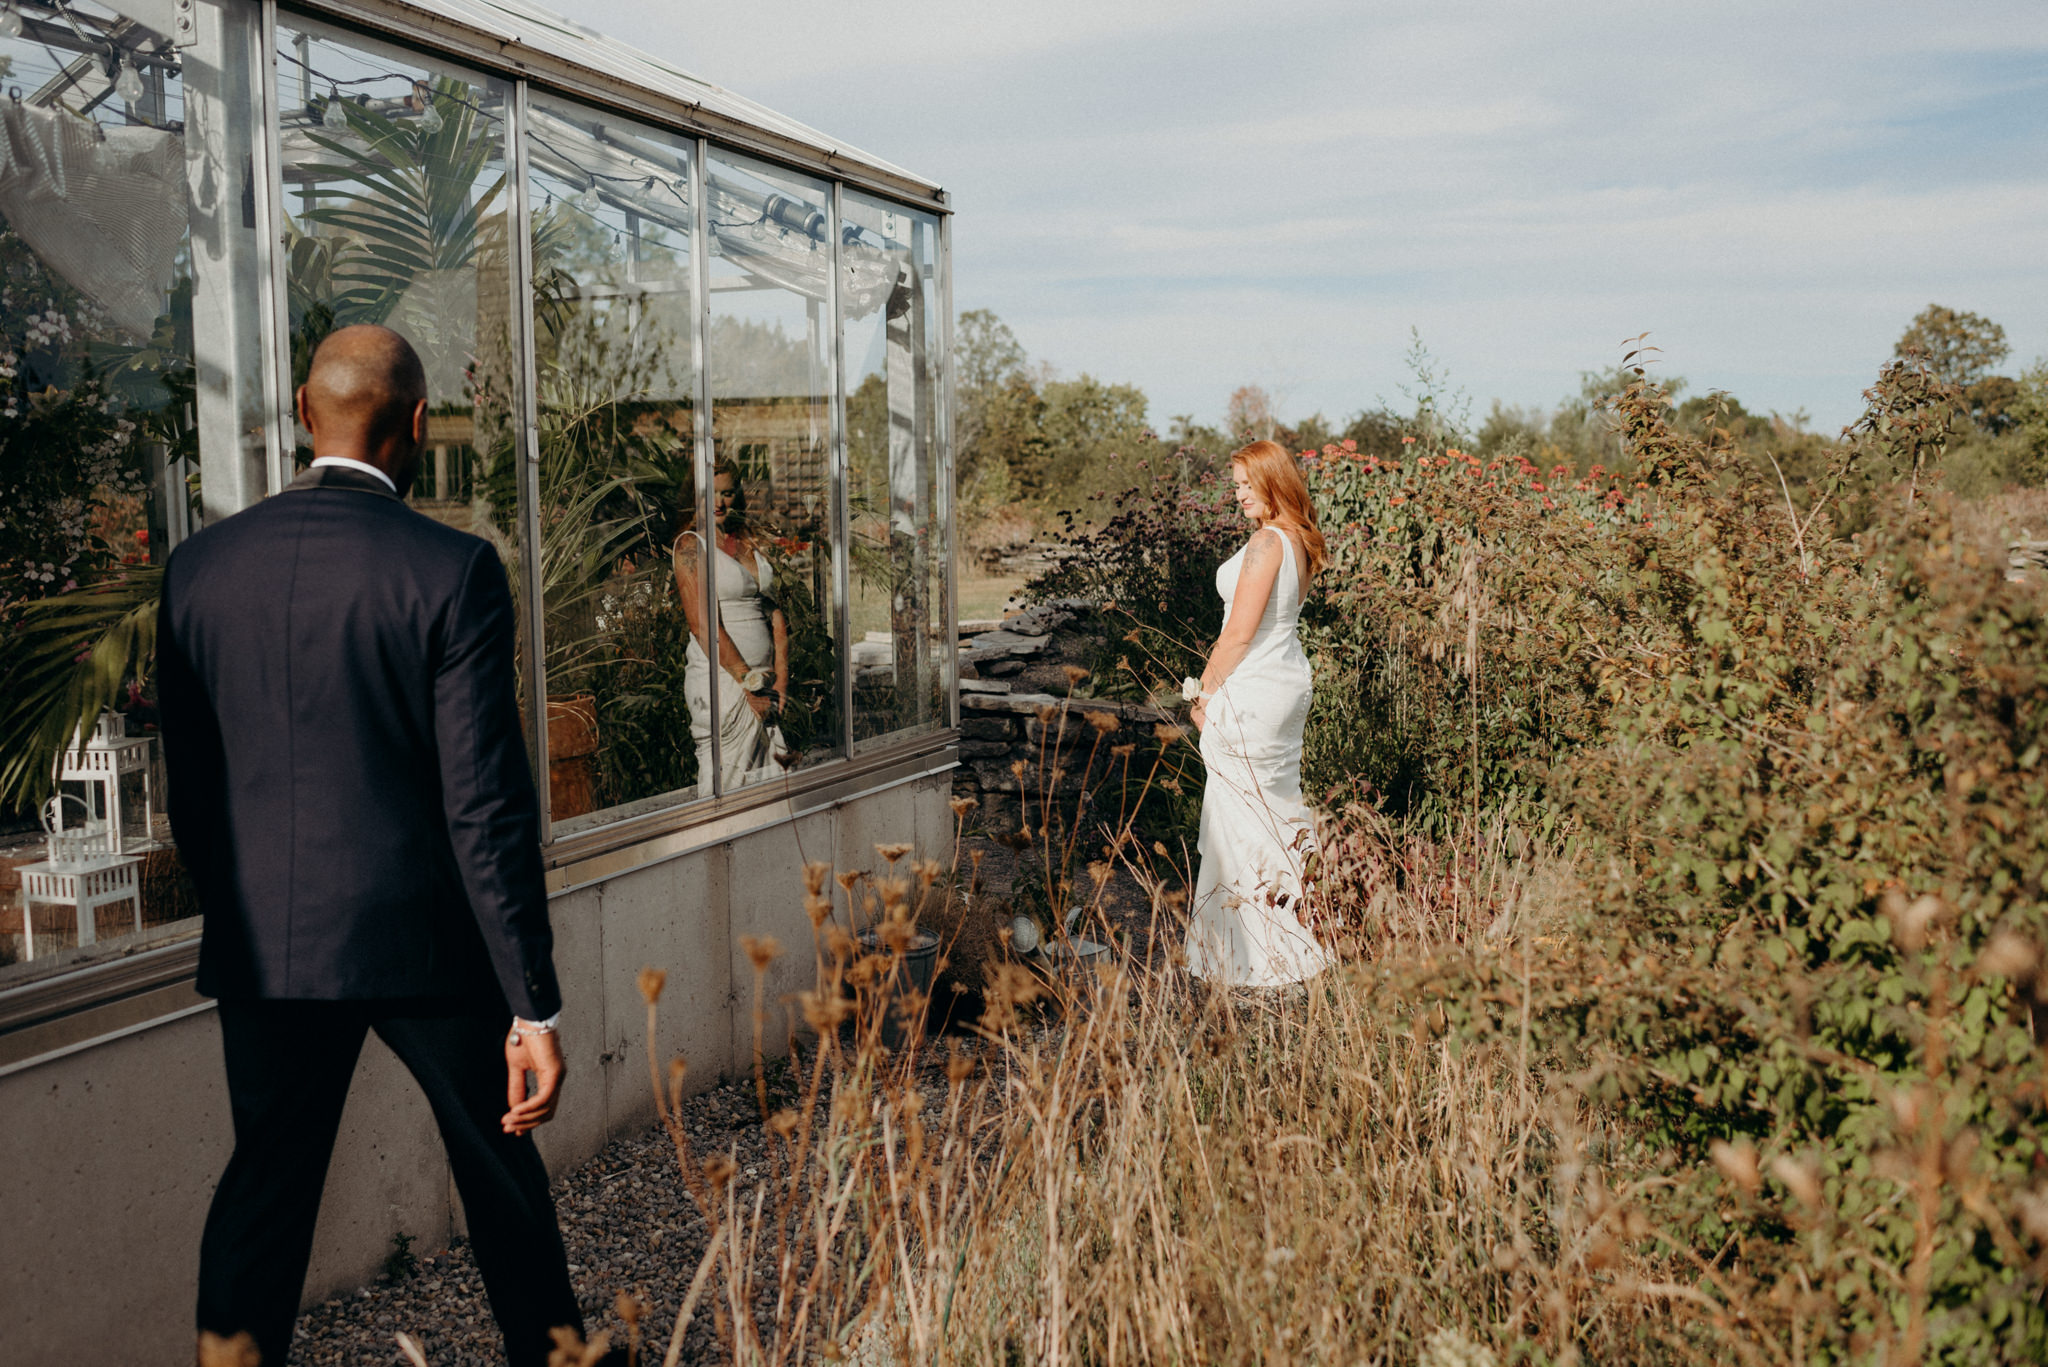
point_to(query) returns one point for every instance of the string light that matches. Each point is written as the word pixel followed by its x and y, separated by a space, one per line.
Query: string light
pixel 423 100
pixel 10 22
pixel 128 84
pixel 586 199
pixel 334 116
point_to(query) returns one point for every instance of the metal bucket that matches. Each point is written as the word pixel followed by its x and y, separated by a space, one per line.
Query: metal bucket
pixel 912 972
pixel 1067 959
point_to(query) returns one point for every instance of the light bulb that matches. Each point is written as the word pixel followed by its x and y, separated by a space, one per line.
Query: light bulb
pixel 334 116
pixel 128 85
pixel 430 119
pixel 587 199
pixel 10 22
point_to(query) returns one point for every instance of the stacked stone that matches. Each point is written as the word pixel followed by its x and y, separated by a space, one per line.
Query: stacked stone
pixel 2026 559
pixel 1024 738
pixel 1021 750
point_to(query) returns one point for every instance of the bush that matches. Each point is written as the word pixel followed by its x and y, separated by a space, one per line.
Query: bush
pixel 1150 566
pixel 1799 746
pixel 1809 768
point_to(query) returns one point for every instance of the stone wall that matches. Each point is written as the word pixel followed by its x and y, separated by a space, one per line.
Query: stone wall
pixel 1029 734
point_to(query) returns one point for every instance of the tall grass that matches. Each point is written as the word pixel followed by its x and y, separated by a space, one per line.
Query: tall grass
pixel 1127 1166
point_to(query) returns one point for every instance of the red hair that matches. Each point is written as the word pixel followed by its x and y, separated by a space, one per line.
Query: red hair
pixel 1277 481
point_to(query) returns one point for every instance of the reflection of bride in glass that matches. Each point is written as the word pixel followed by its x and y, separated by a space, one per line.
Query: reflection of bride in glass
pixel 753 644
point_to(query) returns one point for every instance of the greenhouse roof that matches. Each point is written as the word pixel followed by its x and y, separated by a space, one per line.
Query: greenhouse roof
pixel 558 51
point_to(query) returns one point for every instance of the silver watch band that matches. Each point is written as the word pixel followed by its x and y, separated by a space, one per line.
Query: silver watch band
pixel 546 1027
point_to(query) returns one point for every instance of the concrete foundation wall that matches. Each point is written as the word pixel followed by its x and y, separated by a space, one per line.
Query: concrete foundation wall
pixel 108 1155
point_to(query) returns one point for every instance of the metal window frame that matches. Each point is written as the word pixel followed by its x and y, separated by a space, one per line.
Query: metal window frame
pixel 423 28
pixel 708 785
pixel 948 479
pixel 160 967
pixel 280 440
pixel 842 520
pixel 527 443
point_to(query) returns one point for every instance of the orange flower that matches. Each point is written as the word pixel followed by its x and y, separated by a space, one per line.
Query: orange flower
pixel 1407 441
pixel 1398 499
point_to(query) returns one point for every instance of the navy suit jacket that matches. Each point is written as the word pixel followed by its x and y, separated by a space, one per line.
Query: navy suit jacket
pixel 348 780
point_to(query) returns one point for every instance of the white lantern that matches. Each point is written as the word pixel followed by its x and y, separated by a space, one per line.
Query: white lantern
pixel 118 774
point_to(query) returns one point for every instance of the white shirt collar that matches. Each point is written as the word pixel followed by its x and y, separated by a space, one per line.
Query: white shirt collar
pixel 364 466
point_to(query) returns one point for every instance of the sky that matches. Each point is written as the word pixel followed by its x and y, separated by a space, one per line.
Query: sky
pixel 1192 196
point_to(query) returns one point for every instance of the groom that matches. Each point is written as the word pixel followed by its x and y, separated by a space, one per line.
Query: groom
pixel 350 791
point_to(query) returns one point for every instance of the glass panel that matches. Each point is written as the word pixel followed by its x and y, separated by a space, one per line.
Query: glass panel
pixel 397 211
pixel 769 346
pixel 616 377
pixel 127 231
pixel 889 304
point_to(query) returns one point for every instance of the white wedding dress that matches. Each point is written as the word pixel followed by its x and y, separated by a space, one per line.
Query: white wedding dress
pixel 1257 833
pixel 749 750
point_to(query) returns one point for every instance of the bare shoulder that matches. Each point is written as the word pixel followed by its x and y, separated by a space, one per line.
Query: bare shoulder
pixel 1264 547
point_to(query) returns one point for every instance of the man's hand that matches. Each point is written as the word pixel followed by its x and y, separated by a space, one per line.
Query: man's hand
pixel 762 703
pixel 538 1052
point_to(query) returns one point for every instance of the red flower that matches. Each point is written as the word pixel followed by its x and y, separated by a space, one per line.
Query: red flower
pixel 142 536
pixel 1537 485
pixel 1349 444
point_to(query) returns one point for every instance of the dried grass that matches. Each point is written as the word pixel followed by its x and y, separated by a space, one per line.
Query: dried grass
pixel 1156 1171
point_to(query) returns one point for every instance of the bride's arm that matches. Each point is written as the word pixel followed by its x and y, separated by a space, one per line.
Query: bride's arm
pixel 1262 561
pixel 689 587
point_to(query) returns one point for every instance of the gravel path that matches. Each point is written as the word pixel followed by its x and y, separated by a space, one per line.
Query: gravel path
pixel 627 1220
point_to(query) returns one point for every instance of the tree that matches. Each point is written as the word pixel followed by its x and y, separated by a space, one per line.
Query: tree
pixel 995 402
pixel 1094 434
pixel 986 354
pixel 1249 415
pixel 1960 348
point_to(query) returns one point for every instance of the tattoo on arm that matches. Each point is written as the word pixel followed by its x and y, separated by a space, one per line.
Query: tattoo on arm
pixel 1262 549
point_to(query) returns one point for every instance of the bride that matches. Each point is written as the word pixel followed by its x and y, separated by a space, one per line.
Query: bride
pixel 752 649
pixel 1244 926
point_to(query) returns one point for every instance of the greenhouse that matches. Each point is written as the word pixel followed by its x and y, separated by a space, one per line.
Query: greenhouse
pixel 688 371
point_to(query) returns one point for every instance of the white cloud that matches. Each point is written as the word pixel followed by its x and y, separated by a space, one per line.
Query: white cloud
pixel 1193 196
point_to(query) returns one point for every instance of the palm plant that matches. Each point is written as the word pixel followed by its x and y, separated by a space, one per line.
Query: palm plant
pixel 69 659
pixel 410 201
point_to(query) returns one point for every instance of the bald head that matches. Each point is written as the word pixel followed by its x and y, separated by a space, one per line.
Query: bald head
pixel 365 398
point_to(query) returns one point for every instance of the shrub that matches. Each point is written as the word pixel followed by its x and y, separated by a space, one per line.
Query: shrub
pixel 1809 769
pixel 1800 745
pixel 1150 566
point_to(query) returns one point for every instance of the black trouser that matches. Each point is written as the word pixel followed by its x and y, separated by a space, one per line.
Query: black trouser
pixel 289 1065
